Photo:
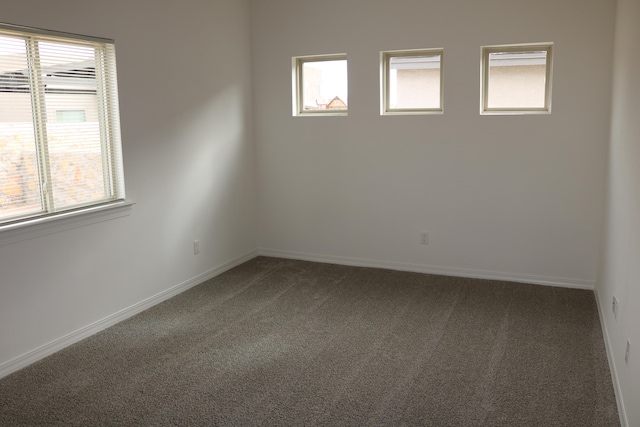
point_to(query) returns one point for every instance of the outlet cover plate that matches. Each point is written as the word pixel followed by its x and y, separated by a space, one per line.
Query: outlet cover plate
pixel 424 238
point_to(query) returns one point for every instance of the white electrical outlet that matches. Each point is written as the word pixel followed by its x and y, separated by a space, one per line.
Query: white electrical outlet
pixel 424 238
pixel 196 247
pixel 626 353
pixel 616 304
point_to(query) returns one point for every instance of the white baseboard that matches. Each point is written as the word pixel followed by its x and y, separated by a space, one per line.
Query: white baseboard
pixel 65 341
pixel 612 364
pixel 431 269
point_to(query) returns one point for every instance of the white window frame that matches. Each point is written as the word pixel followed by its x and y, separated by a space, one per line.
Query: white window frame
pixel 51 219
pixel 297 63
pixel 385 69
pixel 484 78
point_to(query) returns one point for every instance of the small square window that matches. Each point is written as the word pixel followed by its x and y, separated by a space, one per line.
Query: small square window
pixel 516 79
pixel 320 85
pixel 411 82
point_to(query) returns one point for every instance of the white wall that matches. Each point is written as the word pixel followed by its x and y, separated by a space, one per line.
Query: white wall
pixel 184 84
pixel 620 269
pixel 518 197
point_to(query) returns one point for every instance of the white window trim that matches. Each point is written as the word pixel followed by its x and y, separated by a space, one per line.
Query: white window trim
pixel 484 81
pixel 43 225
pixel 43 32
pixel 297 85
pixel 385 58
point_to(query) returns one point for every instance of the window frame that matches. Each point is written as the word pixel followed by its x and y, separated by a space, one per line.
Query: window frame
pixel 108 122
pixel 297 63
pixel 485 51
pixel 385 69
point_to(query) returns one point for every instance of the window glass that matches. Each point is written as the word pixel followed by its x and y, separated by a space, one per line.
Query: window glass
pixel 412 81
pixel 75 146
pixel 59 133
pixel 516 79
pixel 19 183
pixel 321 85
pixel 71 116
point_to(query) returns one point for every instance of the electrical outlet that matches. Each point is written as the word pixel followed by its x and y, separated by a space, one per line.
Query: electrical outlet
pixel 616 304
pixel 626 353
pixel 196 247
pixel 424 238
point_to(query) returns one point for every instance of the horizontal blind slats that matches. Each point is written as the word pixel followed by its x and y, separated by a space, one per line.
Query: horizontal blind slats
pixel 19 182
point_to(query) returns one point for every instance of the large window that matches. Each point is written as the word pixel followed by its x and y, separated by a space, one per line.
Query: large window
pixel 411 82
pixel 59 124
pixel 516 79
pixel 320 85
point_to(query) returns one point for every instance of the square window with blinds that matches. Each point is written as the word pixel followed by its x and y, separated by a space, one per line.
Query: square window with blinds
pixel 59 123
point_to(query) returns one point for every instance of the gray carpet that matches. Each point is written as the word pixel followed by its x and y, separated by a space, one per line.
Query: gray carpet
pixel 281 342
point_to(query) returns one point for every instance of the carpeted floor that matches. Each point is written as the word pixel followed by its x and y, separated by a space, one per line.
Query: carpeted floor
pixel 281 342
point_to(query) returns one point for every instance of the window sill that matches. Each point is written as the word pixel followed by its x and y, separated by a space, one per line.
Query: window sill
pixel 323 114
pixel 63 221
pixel 399 112
pixel 516 112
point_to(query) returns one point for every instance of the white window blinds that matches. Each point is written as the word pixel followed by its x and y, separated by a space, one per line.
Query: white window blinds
pixel 59 124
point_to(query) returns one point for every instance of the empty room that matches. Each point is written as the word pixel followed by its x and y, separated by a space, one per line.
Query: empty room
pixel 346 212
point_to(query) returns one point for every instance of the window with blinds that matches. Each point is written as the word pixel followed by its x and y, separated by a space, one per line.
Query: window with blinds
pixel 59 123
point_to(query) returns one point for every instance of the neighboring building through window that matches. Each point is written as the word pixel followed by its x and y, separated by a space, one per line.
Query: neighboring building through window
pixel 411 82
pixel 516 79
pixel 71 116
pixel 320 85
pixel 59 123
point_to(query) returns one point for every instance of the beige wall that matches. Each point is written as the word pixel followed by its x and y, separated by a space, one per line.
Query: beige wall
pixel 506 83
pixel 311 94
pixel 417 88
